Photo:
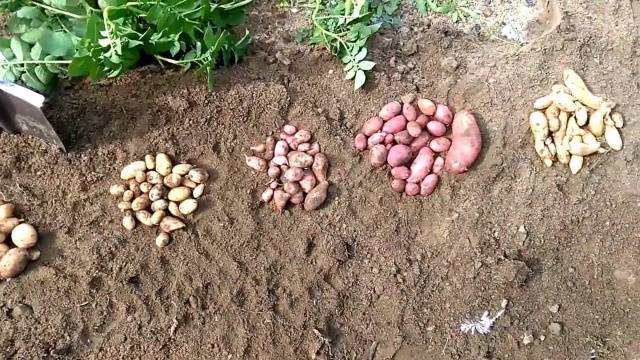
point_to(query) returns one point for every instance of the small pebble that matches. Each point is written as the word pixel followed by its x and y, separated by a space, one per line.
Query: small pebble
pixel 527 339
pixel 21 310
pixel 554 308
pixel 504 303
pixel 555 328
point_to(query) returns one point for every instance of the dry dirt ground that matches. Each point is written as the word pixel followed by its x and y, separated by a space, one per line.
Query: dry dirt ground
pixel 372 275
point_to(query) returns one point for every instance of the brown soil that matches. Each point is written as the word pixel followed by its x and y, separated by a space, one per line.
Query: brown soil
pixel 377 275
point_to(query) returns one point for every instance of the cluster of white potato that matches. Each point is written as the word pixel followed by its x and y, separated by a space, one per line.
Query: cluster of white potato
pixel 154 187
pixel 571 123
pixel 17 242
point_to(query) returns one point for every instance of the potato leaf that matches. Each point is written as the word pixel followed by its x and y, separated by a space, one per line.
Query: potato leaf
pixel 56 43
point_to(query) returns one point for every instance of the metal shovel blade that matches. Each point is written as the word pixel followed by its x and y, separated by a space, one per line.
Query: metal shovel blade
pixel 20 112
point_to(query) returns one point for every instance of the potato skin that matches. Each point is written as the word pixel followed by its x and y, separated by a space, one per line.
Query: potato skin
pixel 398 185
pixel 390 110
pixel 13 263
pixel 412 189
pixel 360 142
pixel 443 114
pixel 378 155
pixel 426 106
pixel 399 155
pixel 429 184
pixel 436 128
pixel 372 126
pixel 395 125
pixel 421 165
pixel 409 112
pixel 317 196
pixel 440 144
pixel 465 145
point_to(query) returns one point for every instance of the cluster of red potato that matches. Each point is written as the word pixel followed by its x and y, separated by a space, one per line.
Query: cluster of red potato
pixel 410 138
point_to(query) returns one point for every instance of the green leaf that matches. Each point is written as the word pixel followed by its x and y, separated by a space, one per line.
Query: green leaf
pixel 81 66
pixel 7 74
pixel 56 43
pixel 94 26
pixel 209 38
pixel 366 65
pixel 20 49
pixel 54 68
pixel 29 12
pixel 31 36
pixel 37 53
pixel 361 55
pixel 16 25
pixel 422 7
pixel 5 48
pixel 360 79
pixel 350 74
pixel 32 82
pixel 44 75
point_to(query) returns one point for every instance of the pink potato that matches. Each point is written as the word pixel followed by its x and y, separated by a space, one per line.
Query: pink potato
pixel 293 174
pixel 304 147
pixel 426 106
pixel 315 148
pixel 308 181
pixel 465 145
pixel 299 159
pixel 302 136
pixel 429 184
pixel 443 114
pixel 438 165
pixel 320 166
pixel 399 155
pixel 414 128
pixel 420 142
pixel 422 165
pixel 436 128
pixel 273 185
pixel 280 199
pixel 422 120
pixel 403 137
pixel 378 155
pixel 282 148
pixel 360 142
pixel 256 163
pixel 372 126
pixel 292 188
pixel 388 139
pixel 375 139
pixel 400 172
pixel 297 198
pixel 280 160
pixel 398 185
pixel 270 144
pixel 289 129
pixel 267 194
pixel 440 144
pixel 412 189
pixel 273 172
pixel 388 146
pixel 409 112
pixel 395 125
pixel 390 110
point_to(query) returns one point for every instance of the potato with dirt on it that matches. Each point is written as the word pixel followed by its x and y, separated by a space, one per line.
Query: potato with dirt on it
pixel 466 143
pixel 24 236
pixel 390 110
pixel 320 166
pixel 316 197
pixel 378 155
pixel 130 170
pixel 300 159
pixel 7 225
pixel 13 263
pixel 163 164
pixel 280 199
pixel 169 224
pixel 3 249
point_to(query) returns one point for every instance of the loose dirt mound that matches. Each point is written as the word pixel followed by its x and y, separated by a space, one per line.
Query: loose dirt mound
pixel 371 275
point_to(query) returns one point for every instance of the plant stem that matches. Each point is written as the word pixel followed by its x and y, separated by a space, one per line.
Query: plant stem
pixel 59 11
pixel 326 32
pixel 24 62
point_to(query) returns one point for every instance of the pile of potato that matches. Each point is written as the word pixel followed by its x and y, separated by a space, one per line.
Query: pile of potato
pixel 410 138
pixel 296 167
pixel 571 123
pixel 17 242
pixel 153 187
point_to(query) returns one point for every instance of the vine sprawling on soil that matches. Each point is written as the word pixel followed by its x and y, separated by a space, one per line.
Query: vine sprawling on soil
pixel 50 39
pixel 344 27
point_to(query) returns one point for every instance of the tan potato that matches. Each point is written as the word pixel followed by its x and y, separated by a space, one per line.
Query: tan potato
pixel 7 225
pixel 140 177
pixel 140 203
pixel 128 221
pixel 129 171
pixel 3 249
pixel 145 187
pixel 172 180
pixel 596 121
pixel 188 183
pixel 198 191
pixel 115 190
pixel 174 209
pixel 181 169
pixel 575 164
pixel 179 194
pixel 540 129
pixel 161 204
pixel 317 196
pixel 543 102
pixel 157 216
pixel 582 115
pixel 163 239
pixel 153 177
pixel 618 120
pixel 579 89
pixel 156 193
pixel 559 88
pixel 612 137
pixel 3 238
pixel 13 263
pixel 7 210
pixel 580 148
pixel 24 236
pixel 124 205
pixel 169 224
pixel 188 206
pixel 198 175
pixel 163 164
pixel 144 217
pixel 553 117
pixel 33 253
pixel 564 102
pixel 150 161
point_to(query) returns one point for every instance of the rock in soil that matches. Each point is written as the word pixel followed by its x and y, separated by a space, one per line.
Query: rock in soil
pixel 555 329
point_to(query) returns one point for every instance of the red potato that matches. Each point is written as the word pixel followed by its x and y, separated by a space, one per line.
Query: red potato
pixel 273 172
pixel 400 172
pixel 443 114
pixel 395 125
pixel 280 199
pixel 302 136
pixel 360 142
pixel 421 141
pixel 256 163
pixel 273 185
pixel 378 155
pixel 267 195
pixel 436 128
pixel 389 139
pixel 399 155
pixel 438 165
pixel 390 110
pixel 440 144
pixel 292 188
pixel 412 189
pixel 388 146
pixel 270 145
pixel 466 143
pixel 317 196
pixel 409 112
pixel 372 126
pixel 375 139
pixel 320 166
pixel 308 181
pixel 429 184
pixel 293 174
pixel 421 165
pixel 281 149
pixel 289 129
pixel 315 148
pixel 304 147
pixel 280 160
pixel 422 120
pixel 414 128
pixel 297 199
pixel 299 159
pixel 398 185
pixel 403 137
pixel 426 106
